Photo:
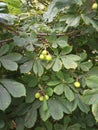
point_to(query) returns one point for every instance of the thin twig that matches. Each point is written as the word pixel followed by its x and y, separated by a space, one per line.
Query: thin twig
pixel 42 35
pixel 6 41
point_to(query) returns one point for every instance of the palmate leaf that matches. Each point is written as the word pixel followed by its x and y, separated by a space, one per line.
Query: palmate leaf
pixel 74 127
pixel 14 6
pixel 7 18
pixel 69 61
pixel 79 2
pixel 93 71
pixel 57 65
pixel 89 21
pixel 44 114
pixel 9 65
pixel 90 96
pixel 9 61
pixel 48 125
pixel 95 111
pixel 55 109
pixel 26 67
pixel 20 123
pixel 58 126
pixel 63 102
pixel 30 94
pixel 30 118
pixel 83 107
pixel 85 66
pixel 38 68
pixel 73 21
pixel 44 111
pixel 92 81
pixel 16 89
pixel 4 49
pixel 3 7
pixel 54 8
pixel 68 93
pixel 5 98
pixel 13 56
pixel 2 124
pixel 59 89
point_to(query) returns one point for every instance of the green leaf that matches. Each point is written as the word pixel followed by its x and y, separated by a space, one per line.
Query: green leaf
pixel 62 41
pixel 2 124
pixel 58 126
pixel 60 75
pixel 45 105
pixel 66 50
pixel 3 5
pixel 48 125
pixel 69 63
pixel 74 57
pixel 59 89
pixel 93 71
pixel 5 98
pixel 38 68
pixel 30 118
pixel 73 21
pixel 16 89
pixel 4 49
pixel 40 128
pixel 85 19
pixel 83 107
pixel 33 81
pixel 30 94
pixel 79 2
pixel 20 123
pixel 88 21
pixel 90 120
pixel 14 6
pixel 57 65
pixel 52 11
pixel 49 91
pixel 44 111
pixel 67 120
pixel 68 93
pixel 55 109
pixel 63 103
pixel 53 83
pixel 26 67
pixel 95 111
pixel 74 127
pixel 13 56
pixel 94 24
pixel 54 8
pixel 92 81
pixel 36 104
pixel 83 56
pixel 71 106
pixel 7 18
pixel 90 96
pixel 9 65
pixel 85 66
pixel 44 114
pixel 20 41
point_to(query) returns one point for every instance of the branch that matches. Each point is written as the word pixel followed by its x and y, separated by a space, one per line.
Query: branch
pixel 42 35
pixel 59 34
pixel 6 41
pixel 7 27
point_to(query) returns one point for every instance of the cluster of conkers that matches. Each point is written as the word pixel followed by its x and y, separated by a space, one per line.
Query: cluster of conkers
pixel 45 56
pixel 41 97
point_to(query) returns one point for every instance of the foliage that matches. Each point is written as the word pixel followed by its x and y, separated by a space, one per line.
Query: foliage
pixel 41 93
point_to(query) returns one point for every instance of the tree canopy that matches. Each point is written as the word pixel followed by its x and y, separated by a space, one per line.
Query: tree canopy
pixel 48 65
